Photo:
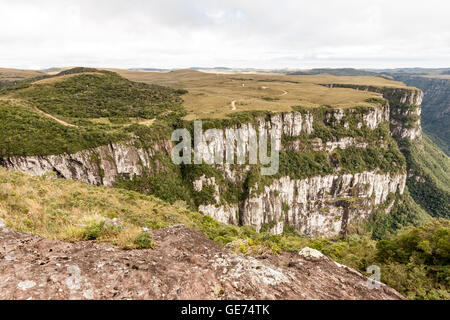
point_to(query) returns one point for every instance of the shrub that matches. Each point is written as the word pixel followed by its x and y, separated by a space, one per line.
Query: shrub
pixel 101 229
pixel 416 261
pixel 144 240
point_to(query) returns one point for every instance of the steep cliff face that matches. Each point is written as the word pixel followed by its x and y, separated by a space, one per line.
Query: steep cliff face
pixel 405 109
pixel 99 166
pixel 405 113
pixel 336 167
pixel 427 166
pixel 316 206
pixel 436 107
pixel 320 204
pixel 292 126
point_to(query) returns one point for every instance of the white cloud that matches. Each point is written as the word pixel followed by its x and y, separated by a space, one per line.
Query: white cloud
pixel 234 33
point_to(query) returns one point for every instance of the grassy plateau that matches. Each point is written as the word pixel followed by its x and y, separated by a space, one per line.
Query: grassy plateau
pixel 210 95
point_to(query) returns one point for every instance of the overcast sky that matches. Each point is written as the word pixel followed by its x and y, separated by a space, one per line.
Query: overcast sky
pixel 231 33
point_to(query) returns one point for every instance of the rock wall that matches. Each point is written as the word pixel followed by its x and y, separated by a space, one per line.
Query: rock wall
pixel 405 109
pixel 291 124
pixel 320 206
pixel 317 206
pixel 436 107
pixel 98 166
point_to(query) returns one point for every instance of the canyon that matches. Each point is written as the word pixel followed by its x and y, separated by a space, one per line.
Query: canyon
pixel 317 205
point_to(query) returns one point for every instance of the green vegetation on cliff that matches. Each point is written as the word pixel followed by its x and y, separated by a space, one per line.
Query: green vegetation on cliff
pixel 403 211
pixel 379 153
pixel 429 176
pixel 427 166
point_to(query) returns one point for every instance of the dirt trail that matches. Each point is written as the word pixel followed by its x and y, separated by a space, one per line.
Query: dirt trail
pixel 54 118
pixel 183 265
pixel 284 92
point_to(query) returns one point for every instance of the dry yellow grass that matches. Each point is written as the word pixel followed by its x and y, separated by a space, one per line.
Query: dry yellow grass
pixel 439 76
pixel 72 211
pixel 17 74
pixel 130 121
pixel 211 95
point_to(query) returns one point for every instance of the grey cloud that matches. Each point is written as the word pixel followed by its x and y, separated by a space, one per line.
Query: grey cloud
pixel 235 33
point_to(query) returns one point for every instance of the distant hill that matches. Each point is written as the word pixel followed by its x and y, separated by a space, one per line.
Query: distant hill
pixel 10 77
pixel 337 72
pixel 150 69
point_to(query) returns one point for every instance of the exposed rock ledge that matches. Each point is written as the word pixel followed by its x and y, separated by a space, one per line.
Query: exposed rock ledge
pixel 400 100
pixel 316 206
pixel 98 166
pixel 184 265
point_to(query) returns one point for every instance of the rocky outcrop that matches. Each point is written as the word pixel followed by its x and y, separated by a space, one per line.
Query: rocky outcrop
pixel 405 108
pixel 184 265
pixel 226 213
pixel 318 145
pixel 295 124
pixel 291 124
pixel 436 107
pixel 318 206
pixel 98 166
pixel 405 117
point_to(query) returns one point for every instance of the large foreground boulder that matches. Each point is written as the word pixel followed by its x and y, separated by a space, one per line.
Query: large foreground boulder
pixel 183 265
